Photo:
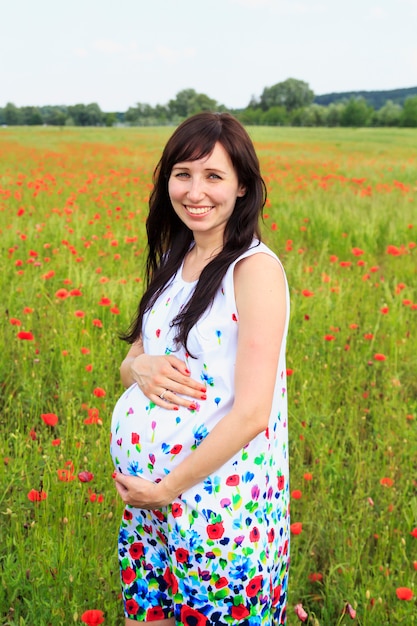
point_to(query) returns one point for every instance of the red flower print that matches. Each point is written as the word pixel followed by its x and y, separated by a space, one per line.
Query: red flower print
pixel 281 482
pixel 132 607
pixel 154 614
pixel 254 535
pixel 171 581
pixel 176 509
pixel 176 449
pixel 127 515
pixel 50 419
pixel 222 582
pixel 296 528
pixel 215 531
pixel 404 593
pixel 181 555
pixel 191 617
pixel 276 594
pixel 233 480
pixel 128 575
pixel 37 496
pixel 25 335
pixel 239 612
pixel 93 617
pixel 136 550
pixel 271 535
pixel 135 438
pixel 99 392
pixel 254 586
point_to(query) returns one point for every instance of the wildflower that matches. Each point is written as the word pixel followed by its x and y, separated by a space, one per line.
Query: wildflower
pixel 379 357
pixel 50 419
pixel 25 335
pixel 296 494
pixel 329 337
pixel 384 310
pixel 15 322
pixel 79 313
pixel 105 302
pixel 386 482
pixel 315 577
pixel 300 613
pixel 414 533
pixel 61 294
pixel 92 617
pixel 307 293
pixel 37 496
pixel 85 477
pixel 350 611
pixel 404 593
pixel 99 392
pixel 98 323
pixel 308 476
pixel 296 528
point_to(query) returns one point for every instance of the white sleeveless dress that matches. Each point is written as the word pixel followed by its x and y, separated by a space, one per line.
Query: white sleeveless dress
pixel 220 552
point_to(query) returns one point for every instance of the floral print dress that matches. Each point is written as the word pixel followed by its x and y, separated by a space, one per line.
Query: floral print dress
pixel 219 554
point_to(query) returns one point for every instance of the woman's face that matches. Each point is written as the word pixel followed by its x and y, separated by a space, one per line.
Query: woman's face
pixel 204 192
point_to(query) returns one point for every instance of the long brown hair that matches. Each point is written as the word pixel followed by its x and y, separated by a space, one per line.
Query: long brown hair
pixel 169 239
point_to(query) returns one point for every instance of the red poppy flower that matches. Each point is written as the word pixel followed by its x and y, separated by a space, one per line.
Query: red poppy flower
pixel 15 322
pixel 386 482
pixel 155 613
pixel 215 531
pixel 254 586
pixel 97 323
pixel 329 337
pixel 307 293
pixel 85 477
pixel 296 494
pixel 37 496
pixel 105 302
pixel 296 528
pixel 404 593
pixel 50 419
pixel 414 532
pixel 93 617
pixel 379 357
pixel 128 575
pixel 191 617
pixel 308 476
pixel 99 392
pixel 25 335
pixel 79 313
pixel 315 577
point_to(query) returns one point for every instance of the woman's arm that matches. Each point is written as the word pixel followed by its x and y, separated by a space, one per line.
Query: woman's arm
pixel 261 301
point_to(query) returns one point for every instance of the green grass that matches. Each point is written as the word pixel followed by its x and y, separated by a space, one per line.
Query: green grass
pixel 72 208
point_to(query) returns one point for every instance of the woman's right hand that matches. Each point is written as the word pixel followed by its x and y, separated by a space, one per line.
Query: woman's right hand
pixel 166 381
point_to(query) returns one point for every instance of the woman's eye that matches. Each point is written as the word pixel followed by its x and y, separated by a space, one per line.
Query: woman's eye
pixel 214 176
pixel 182 175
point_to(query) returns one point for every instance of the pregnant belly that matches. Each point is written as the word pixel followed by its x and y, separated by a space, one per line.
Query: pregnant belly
pixel 149 441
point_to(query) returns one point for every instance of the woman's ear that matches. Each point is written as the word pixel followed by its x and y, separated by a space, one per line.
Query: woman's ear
pixel 241 191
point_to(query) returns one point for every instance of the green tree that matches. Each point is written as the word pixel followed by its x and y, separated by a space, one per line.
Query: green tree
pixel 356 113
pixel 12 116
pixel 31 116
pixel 275 116
pixel 188 101
pixel 334 113
pixel 86 115
pixel 291 94
pixel 409 114
pixel 388 115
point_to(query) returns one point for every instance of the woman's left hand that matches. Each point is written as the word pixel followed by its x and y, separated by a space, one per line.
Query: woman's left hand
pixel 141 493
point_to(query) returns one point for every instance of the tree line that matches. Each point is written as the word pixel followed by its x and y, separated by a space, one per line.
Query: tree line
pixel 288 103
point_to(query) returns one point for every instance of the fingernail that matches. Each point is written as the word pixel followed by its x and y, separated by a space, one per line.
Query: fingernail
pixel 187 371
pixel 175 408
pixel 203 390
pixel 204 396
pixel 114 475
pixel 192 407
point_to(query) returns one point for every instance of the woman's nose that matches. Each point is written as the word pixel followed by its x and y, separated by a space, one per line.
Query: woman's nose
pixel 196 190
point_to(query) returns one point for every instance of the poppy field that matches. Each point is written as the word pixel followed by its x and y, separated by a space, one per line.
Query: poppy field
pixel 342 216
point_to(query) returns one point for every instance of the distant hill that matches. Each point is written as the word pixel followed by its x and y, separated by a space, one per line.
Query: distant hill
pixel 376 99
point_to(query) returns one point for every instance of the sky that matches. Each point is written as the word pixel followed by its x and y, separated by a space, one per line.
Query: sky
pixel 121 52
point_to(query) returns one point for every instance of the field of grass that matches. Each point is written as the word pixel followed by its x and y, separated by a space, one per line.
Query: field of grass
pixel 342 216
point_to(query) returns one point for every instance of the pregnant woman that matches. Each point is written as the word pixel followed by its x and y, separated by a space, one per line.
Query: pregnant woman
pixel 199 438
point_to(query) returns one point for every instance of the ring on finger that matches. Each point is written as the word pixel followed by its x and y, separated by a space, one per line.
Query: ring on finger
pixel 163 394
